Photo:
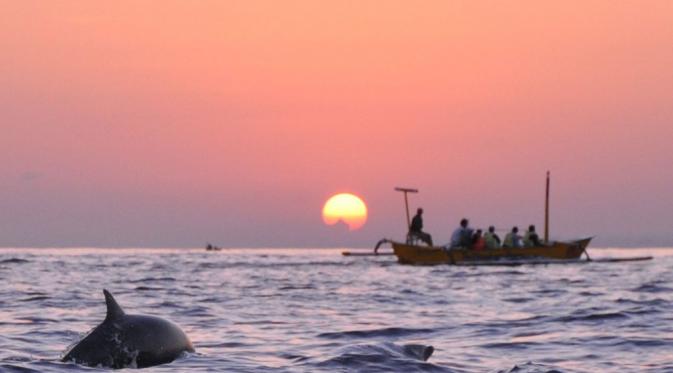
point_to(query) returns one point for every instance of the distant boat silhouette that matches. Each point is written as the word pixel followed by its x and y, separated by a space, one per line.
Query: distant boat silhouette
pixel 210 247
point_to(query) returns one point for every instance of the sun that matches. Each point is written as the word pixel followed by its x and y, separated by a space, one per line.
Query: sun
pixel 345 207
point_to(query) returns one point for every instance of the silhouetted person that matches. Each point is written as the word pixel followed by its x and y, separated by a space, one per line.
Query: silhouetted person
pixel 462 236
pixel 491 238
pixel 478 242
pixel 531 239
pixel 416 228
pixel 512 239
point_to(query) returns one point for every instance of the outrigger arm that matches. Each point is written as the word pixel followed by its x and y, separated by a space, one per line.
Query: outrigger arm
pixel 378 244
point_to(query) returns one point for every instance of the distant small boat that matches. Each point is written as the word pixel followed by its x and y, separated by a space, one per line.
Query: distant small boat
pixel 210 247
pixel 431 255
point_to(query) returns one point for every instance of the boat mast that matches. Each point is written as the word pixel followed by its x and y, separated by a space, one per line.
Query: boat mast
pixel 406 201
pixel 546 212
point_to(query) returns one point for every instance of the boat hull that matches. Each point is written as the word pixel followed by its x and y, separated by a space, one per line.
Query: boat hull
pixel 431 255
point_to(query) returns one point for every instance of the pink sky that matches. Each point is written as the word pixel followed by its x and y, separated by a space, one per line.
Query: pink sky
pixel 129 124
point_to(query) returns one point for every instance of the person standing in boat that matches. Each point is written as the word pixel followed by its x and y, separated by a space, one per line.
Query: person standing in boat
pixel 531 239
pixel 513 239
pixel 491 238
pixel 462 236
pixel 416 228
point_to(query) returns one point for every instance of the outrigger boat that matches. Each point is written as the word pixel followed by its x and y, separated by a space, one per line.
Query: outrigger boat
pixel 408 253
pixel 549 252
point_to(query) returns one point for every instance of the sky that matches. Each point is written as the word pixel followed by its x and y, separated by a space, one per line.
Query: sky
pixel 176 123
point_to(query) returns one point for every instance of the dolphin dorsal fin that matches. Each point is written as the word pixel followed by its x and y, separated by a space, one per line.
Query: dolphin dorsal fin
pixel 113 309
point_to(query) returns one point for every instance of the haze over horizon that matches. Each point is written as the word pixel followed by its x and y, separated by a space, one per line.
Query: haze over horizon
pixel 126 124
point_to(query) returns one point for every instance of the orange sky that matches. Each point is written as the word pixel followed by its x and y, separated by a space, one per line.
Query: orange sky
pixel 131 124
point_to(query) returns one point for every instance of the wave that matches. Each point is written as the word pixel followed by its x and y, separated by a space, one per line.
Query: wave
pixel 148 288
pixel 153 279
pixel 385 332
pixel 648 302
pixel 510 345
pixel 593 317
pixel 652 288
pixel 35 298
pixel 518 299
pixel 297 287
pixel 11 368
pixel 14 260
pixel 275 264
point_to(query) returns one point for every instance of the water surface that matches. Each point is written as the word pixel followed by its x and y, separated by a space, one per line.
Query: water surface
pixel 301 310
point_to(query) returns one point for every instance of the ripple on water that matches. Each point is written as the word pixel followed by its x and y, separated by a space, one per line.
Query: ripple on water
pixel 14 261
pixel 152 279
pixel 34 299
pixel 656 302
pixel 652 287
pixel 592 317
pixel 376 333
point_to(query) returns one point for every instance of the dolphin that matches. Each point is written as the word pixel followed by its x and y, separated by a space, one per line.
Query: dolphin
pixel 123 340
pixel 384 356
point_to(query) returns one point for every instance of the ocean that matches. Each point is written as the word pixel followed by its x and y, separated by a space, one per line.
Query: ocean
pixel 313 310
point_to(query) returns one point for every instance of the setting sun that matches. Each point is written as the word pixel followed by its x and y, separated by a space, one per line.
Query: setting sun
pixel 345 207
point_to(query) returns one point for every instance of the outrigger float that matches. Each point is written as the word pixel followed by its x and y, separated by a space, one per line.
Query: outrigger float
pixel 551 252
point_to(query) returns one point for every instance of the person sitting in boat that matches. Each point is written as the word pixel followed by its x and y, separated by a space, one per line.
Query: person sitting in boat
pixel 491 238
pixel 512 239
pixel 416 228
pixel 478 242
pixel 531 239
pixel 462 236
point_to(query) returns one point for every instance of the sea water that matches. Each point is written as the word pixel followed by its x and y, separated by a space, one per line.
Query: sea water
pixel 313 310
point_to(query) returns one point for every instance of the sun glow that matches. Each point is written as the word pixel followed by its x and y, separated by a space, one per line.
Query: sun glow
pixel 347 208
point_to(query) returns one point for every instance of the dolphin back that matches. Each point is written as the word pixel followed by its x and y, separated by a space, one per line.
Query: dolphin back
pixel 152 340
pixel 129 341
